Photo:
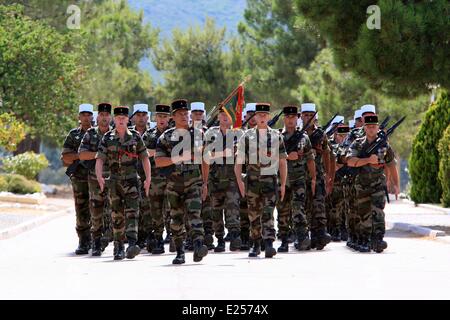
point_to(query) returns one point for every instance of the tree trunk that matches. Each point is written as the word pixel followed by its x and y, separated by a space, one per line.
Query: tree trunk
pixel 29 144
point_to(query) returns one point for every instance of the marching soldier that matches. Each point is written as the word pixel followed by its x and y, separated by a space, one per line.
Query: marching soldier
pixel 262 150
pixel 246 243
pixel 78 174
pixel 222 185
pixel 316 203
pixel 140 119
pixel 184 184
pixel 121 148
pixel 300 159
pixel 97 198
pixel 370 184
pixel 155 218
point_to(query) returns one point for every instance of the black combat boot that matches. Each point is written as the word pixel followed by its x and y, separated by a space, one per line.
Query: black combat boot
pixel 119 250
pixel 220 245
pixel 97 247
pixel 269 250
pixel 84 244
pixel 350 241
pixel 179 259
pixel 263 246
pixel 245 246
pixel 133 249
pixel 209 241
pixel 364 245
pixel 284 245
pixel 235 242
pixel 200 250
pixel 256 249
pixel 378 244
pixel 159 246
pixel 189 245
pixel 151 242
pixel 323 238
pixel 313 240
pixel 227 237
pixel 303 242
pixel 291 237
pixel 336 235
pixel 142 237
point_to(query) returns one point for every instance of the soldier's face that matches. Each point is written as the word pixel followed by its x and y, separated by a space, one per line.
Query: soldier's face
pixel 262 118
pixel 162 120
pixel 306 116
pixel 224 120
pixel 121 122
pixel 290 120
pixel 181 118
pixel 85 118
pixel 141 119
pixel 252 121
pixel 196 116
pixel 358 123
pixel 371 130
pixel 103 119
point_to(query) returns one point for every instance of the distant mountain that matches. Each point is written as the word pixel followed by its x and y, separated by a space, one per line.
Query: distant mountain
pixel 169 14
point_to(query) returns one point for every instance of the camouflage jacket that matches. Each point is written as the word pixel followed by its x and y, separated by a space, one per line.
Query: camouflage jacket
pixel 171 138
pixel 90 142
pixel 122 156
pixel 386 155
pixel 323 145
pixel 140 168
pixel 297 168
pixel 251 148
pixel 150 139
pixel 215 140
pixel 71 145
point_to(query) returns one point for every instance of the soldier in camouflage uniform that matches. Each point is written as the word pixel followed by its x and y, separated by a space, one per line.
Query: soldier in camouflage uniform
pixel 246 243
pixel 300 159
pixel 198 114
pixel 140 119
pixel 179 150
pixel 370 184
pixel 154 219
pixel 338 211
pixel 97 198
pixel 262 150
pixel 121 149
pixel 315 203
pixel 222 187
pixel 78 174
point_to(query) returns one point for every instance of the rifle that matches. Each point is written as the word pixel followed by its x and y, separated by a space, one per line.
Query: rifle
pixel 275 119
pixel 334 128
pixel 72 169
pixel 385 122
pixel 246 121
pixel 319 132
pixel 290 146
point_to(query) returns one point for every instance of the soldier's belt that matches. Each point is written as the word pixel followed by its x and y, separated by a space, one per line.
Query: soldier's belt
pixel 186 167
pixel 123 177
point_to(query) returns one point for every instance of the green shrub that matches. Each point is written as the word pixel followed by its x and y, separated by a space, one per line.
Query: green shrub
pixel 424 161
pixel 27 164
pixel 3 184
pixel 444 167
pixel 19 184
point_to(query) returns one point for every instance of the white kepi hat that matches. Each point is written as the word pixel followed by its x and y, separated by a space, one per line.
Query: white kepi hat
pixel 368 108
pixel 86 107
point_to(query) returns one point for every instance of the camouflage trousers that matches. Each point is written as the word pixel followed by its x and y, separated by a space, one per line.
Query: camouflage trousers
pixel 261 192
pixel 337 205
pixel 352 219
pixel 154 220
pixel 124 195
pixel 97 207
pixel 291 211
pixel 80 189
pixel 370 201
pixel 207 215
pixel 144 210
pixel 243 215
pixel 184 195
pixel 315 205
pixel 224 198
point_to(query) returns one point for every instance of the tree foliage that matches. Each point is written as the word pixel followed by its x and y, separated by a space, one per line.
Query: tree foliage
pixel 444 166
pixel 407 55
pixel 424 162
pixel 12 131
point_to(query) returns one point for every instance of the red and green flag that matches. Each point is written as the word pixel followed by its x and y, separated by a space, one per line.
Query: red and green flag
pixel 234 105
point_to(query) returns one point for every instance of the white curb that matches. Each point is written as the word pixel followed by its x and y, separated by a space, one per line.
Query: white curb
pixel 423 231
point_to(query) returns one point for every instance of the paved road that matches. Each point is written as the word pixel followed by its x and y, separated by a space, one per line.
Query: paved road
pixel 39 264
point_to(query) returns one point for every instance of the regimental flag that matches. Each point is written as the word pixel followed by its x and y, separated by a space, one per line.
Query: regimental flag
pixel 233 106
